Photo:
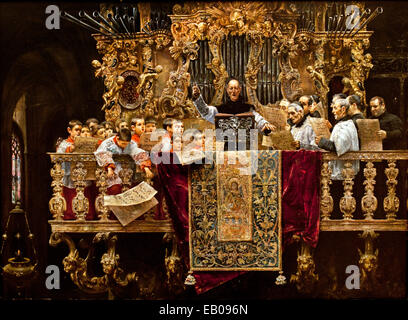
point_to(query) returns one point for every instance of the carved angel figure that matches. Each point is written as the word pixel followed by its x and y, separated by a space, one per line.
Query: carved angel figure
pixel 112 93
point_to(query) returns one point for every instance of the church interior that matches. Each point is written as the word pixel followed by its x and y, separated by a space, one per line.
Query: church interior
pixel 52 73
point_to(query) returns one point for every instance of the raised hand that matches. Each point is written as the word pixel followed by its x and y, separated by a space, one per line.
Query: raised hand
pixel 196 91
pixel 149 173
pixel 111 173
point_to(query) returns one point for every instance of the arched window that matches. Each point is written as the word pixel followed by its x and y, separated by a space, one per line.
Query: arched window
pixel 16 166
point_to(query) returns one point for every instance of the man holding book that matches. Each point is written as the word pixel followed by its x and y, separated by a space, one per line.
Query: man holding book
pixel 234 105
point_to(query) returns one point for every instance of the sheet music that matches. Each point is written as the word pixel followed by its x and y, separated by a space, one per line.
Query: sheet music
pixel 319 126
pixel 130 205
pixel 276 117
pixel 280 140
pixel 367 132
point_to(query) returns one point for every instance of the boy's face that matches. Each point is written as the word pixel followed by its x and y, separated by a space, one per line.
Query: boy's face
pixel 177 128
pixel 139 127
pixel 101 133
pixel 150 127
pixel 199 140
pixel 92 124
pixel 109 132
pixel 177 144
pixel 85 132
pixel 75 131
pixel 123 125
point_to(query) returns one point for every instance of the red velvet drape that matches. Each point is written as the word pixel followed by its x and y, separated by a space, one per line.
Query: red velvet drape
pixel 69 194
pixel 300 195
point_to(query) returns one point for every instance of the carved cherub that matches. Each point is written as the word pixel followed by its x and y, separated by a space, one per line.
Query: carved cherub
pixel 99 68
pixel 368 265
pixel 146 79
pixel 237 21
pixel 305 277
pixel 109 263
pixel 317 76
pixel 115 88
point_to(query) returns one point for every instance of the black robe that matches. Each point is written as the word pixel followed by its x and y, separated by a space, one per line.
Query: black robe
pixel 235 107
pixel 391 124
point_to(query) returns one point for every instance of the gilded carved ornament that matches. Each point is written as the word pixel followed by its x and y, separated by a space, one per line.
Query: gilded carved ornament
pixel 123 58
pixel 57 204
pixel 326 200
pixel 341 57
pixel 391 201
pixel 80 204
pixel 348 202
pixel 305 277
pixel 368 261
pixel 369 201
pixel 173 100
pixel 256 20
pixel 114 277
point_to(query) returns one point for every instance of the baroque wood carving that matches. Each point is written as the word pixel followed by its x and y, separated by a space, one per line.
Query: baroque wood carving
pixel 129 73
pixel 391 201
pixel 305 277
pixel 368 261
pixel 114 277
pixel 348 202
pixel 215 21
pixel 57 204
pixel 369 201
pixel 326 200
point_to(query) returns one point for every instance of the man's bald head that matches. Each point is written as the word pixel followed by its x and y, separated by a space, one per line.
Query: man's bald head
pixel 233 89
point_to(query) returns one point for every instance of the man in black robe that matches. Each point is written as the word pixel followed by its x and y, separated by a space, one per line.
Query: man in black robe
pixel 356 109
pixel 390 124
pixel 309 104
pixel 234 105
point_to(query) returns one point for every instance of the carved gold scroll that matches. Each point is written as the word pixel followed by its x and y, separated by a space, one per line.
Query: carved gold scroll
pixel 148 74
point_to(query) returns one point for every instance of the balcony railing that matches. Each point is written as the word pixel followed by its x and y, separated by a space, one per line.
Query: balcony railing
pixel 370 204
pixel 84 167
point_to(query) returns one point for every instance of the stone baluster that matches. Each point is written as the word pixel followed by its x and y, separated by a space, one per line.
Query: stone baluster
pixel 57 204
pixel 80 204
pixel 369 201
pixel 326 200
pixel 126 174
pixel 102 211
pixel 391 201
pixel 348 202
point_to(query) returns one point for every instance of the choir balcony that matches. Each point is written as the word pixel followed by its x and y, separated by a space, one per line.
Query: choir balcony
pixel 84 168
pixel 371 201
pixel 379 197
